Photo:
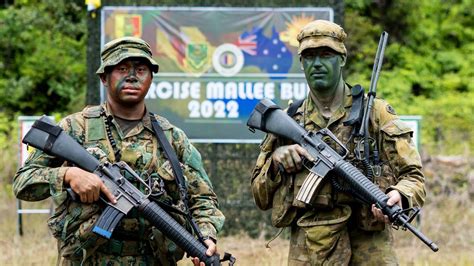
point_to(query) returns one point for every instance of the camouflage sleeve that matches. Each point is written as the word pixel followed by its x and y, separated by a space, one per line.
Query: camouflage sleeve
pixel 41 176
pixel 403 158
pixel 203 203
pixel 264 181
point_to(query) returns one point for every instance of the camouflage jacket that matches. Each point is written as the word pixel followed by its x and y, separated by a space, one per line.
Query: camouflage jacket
pixel 42 175
pixel 400 163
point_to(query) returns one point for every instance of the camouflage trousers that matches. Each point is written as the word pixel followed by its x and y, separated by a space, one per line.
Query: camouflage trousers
pixel 111 260
pixel 346 247
pixel 157 251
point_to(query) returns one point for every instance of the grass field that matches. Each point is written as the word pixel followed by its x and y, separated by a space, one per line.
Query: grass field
pixel 448 222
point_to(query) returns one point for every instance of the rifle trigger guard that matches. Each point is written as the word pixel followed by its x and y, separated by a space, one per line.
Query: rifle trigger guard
pixel 308 164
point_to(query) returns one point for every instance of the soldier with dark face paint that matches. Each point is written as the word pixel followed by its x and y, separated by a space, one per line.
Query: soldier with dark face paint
pixel 121 130
pixel 335 229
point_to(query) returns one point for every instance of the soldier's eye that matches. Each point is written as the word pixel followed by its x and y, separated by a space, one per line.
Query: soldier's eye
pixel 326 54
pixel 309 56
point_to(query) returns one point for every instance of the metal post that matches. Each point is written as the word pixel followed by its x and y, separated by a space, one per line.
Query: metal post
pixel 25 125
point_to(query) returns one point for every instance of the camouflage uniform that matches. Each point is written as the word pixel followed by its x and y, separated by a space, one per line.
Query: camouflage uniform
pixel 335 229
pixel 134 241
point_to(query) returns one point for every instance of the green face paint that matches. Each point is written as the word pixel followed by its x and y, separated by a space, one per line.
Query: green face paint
pixel 134 72
pixel 322 68
pixel 129 81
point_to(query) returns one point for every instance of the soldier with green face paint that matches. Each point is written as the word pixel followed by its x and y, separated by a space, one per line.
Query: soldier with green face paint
pixel 335 228
pixel 121 130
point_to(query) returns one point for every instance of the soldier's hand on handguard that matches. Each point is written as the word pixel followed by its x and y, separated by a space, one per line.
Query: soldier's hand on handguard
pixel 394 197
pixel 289 157
pixel 211 249
pixel 87 185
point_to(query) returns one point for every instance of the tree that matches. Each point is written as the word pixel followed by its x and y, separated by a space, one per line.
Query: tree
pixel 427 68
pixel 42 59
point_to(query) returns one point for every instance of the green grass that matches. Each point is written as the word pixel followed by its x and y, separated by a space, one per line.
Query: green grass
pixel 447 221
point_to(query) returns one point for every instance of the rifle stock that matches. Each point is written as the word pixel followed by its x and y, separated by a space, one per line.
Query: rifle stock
pixel 269 118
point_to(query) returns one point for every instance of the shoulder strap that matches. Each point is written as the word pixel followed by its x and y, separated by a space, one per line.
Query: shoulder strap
pixel 294 107
pixel 171 156
pixel 357 109
pixel 178 172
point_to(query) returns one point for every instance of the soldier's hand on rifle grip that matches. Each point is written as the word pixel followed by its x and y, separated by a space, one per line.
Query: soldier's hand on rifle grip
pixel 87 185
pixel 394 197
pixel 211 250
pixel 289 157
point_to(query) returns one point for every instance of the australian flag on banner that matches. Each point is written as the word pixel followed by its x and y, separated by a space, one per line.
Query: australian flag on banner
pixel 269 54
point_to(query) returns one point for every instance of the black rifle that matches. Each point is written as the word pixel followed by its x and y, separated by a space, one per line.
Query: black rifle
pixel 46 136
pixel 269 118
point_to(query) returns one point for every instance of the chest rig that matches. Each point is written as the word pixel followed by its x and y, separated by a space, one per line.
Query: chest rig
pixel 102 124
pixel 369 165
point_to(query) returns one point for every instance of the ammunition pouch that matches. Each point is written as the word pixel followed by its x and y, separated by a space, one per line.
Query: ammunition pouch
pixel 283 212
pixel 165 250
pixel 72 226
pixel 326 231
pixel 125 248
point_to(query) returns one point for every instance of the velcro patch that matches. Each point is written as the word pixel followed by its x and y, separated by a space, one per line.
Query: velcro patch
pixel 390 109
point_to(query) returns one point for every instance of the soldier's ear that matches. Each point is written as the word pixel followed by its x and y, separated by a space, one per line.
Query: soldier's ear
pixel 343 60
pixel 103 78
pixel 301 63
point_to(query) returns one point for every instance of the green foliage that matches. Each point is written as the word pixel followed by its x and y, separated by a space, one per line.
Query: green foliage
pixel 428 63
pixel 8 149
pixel 43 62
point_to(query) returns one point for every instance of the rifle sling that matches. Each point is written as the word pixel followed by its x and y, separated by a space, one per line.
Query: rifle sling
pixel 357 109
pixel 294 107
pixel 171 156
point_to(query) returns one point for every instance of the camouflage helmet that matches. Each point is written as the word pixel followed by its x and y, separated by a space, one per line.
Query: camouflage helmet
pixel 322 33
pixel 119 49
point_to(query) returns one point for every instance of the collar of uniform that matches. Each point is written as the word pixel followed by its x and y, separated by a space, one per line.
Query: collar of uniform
pixel 344 108
pixel 316 116
pixel 146 121
pixel 92 111
pixel 163 122
pixel 348 98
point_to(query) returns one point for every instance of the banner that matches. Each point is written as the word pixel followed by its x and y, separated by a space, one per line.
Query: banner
pixel 217 63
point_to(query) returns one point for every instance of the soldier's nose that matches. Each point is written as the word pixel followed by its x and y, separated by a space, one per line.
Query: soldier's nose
pixel 131 78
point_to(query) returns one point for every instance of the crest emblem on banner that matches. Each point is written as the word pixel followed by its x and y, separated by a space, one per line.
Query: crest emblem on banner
pixel 197 55
pixel 188 48
pixel 128 25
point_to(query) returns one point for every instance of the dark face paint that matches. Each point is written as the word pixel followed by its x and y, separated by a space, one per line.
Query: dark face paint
pixel 322 68
pixel 129 81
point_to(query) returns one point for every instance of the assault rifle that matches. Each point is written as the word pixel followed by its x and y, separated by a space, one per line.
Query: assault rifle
pixel 269 118
pixel 46 136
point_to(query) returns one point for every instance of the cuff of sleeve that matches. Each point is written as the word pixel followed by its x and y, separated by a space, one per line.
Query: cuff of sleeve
pixel 273 178
pixel 407 196
pixel 57 186
pixel 208 231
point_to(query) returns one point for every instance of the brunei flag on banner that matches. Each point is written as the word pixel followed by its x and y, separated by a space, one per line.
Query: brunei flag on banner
pixel 128 25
